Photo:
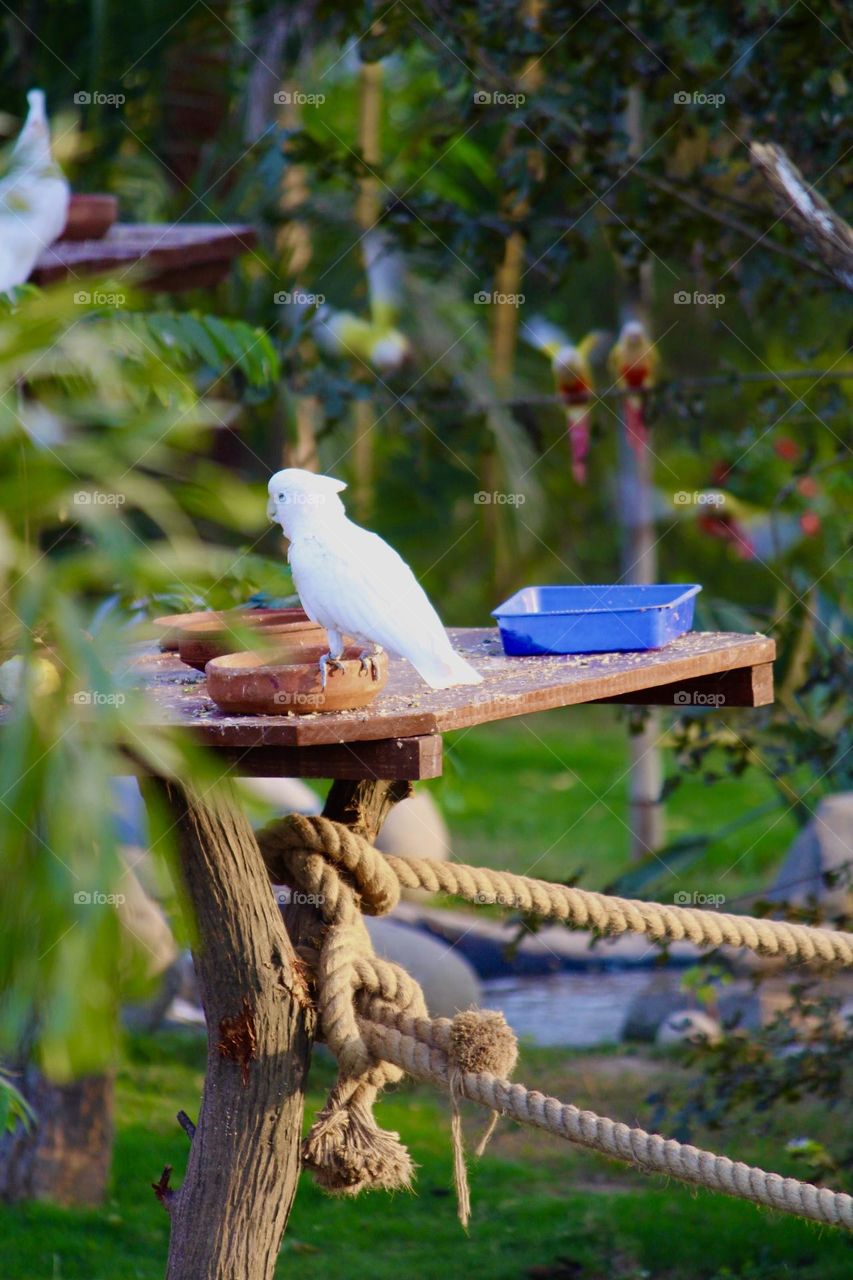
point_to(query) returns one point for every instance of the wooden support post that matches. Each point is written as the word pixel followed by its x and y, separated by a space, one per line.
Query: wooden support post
pixel 229 1215
pixel 639 560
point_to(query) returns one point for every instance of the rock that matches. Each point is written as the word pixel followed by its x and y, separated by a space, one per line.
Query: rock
pixel 148 931
pixel 822 846
pixel 650 1009
pixel 287 795
pixel 689 1026
pixel 449 983
pixel 415 829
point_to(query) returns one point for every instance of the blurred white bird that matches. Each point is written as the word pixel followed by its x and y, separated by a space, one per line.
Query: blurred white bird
pixel 377 341
pixel 352 583
pixel 33 198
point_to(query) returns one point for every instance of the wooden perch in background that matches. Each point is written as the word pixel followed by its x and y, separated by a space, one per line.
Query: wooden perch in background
pixel 806 211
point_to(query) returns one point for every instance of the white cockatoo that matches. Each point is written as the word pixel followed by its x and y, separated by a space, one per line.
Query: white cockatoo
pixel 352 583
pixel 376 341
pixel 34 198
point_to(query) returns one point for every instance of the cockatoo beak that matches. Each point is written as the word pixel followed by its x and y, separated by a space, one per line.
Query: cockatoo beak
pixel 271 509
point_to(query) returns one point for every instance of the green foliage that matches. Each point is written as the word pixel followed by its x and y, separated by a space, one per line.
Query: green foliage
pixel 14 1108
pixel 99 483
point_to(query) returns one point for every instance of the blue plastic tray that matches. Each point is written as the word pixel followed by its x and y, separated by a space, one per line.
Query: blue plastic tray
pixel 595 619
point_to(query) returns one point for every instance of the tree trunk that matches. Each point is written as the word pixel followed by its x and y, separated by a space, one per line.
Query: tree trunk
pixel 640 562
pixel 65 1157
pixel 229 1215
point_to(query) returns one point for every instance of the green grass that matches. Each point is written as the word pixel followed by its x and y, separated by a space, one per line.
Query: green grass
pixel 547 795
pixel 536 1200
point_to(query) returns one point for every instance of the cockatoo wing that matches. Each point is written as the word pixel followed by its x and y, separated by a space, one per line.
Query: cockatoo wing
pixel 384 269
pixel 544 336
pixel 341 333
pixel 350 580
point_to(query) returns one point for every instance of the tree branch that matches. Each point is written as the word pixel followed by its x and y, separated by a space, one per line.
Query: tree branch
pixel 809 215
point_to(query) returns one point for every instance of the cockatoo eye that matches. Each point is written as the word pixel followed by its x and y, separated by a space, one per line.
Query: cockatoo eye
pixel 281 497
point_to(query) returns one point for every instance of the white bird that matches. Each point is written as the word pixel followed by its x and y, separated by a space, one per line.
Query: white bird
pixel 376 341
pixel 352 583
pixel 34 198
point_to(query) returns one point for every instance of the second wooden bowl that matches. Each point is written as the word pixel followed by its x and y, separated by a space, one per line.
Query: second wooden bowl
pixel 261 684
pixel 218 634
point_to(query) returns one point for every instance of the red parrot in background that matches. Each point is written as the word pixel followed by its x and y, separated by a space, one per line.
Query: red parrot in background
pixel 634 362
pixel 573 382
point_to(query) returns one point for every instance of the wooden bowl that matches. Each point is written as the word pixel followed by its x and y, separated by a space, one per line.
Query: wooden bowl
pixel 259 684
pixel 89 217
pixel 170 626
pixel 216 635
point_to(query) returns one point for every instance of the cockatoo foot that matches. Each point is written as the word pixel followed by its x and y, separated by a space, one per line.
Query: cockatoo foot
pixel 368 661
pixel 328 661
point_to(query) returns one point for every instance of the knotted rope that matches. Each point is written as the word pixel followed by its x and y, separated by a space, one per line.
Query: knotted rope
pixel 346 876
pixel 373 1017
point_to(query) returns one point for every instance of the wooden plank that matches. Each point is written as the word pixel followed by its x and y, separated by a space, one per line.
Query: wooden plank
pixel 742 687
pixel 408 708
pixel 404 759
pixel 179 256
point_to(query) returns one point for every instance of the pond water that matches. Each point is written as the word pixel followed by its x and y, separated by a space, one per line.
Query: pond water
pixel 574 1009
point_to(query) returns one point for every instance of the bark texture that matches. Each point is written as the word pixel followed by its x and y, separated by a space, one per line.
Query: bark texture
pixel 229 1215
pixel 65 1156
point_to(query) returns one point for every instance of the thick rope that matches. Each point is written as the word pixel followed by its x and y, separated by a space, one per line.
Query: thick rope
pixel 418 1046
pixel 586 910
pixel 373 1017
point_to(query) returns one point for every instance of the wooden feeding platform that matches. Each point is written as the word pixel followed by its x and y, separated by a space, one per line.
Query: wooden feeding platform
pixel 399 734
pixel 172 257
